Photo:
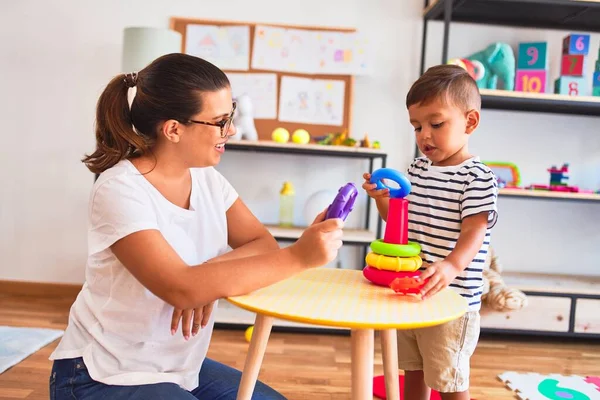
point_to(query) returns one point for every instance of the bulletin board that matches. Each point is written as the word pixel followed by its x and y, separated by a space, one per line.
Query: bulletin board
pixel 265 126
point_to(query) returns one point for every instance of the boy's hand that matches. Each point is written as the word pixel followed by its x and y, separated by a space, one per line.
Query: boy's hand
pixel 371 190
pixel 440 274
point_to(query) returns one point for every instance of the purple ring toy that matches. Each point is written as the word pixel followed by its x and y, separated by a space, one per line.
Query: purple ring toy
pixel 343 202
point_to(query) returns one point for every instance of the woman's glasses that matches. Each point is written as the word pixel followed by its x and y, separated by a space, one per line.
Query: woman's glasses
pixel 224 124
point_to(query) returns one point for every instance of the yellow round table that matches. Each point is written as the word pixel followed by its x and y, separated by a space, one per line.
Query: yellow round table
pixel 343 298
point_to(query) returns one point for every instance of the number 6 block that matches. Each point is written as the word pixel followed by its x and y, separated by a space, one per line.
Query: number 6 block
pixel 576 44
pixel 529 80
pixel 533 55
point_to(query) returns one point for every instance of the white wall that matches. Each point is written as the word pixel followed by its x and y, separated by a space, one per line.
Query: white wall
pixel 57 57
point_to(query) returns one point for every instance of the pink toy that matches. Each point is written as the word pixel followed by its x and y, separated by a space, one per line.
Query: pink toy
pixel 531 80
pixel 396 229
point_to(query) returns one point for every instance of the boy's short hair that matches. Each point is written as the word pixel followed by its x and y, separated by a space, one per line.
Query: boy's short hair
pixel 447 82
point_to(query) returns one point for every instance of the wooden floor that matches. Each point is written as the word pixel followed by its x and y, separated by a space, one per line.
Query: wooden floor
pixel 301 366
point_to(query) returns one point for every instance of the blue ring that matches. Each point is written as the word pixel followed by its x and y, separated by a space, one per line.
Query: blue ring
pixel 393 175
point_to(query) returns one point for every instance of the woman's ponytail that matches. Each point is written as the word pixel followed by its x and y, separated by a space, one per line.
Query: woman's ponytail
pixel 116 138
pixel 169 88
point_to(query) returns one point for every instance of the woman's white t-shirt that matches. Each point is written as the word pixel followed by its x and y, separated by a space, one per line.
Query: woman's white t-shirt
pixel 121 329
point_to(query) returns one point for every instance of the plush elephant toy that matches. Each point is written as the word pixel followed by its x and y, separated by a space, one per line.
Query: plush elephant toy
pixel 498 62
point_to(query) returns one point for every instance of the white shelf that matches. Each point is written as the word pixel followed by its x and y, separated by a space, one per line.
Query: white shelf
pixel 309 147
pixel 359 236
pixel 545 194
pixel 556 283
pixel 538 96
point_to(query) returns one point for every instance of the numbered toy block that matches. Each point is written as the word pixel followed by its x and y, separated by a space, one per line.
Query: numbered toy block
pixel 529 80
pixel 571 85
pixel 572 65
pixel 596 81
pixel 533 55
pixel 576 44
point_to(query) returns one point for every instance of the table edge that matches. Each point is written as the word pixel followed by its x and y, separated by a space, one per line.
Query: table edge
pixel 354 325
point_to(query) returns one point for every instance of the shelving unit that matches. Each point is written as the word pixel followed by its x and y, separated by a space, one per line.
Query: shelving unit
pixel 540 102
pixel 230 316
pixel 559 305
pixel 355 237
pixel 539 194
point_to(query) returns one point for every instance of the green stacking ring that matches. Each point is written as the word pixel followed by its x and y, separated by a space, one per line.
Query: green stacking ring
pixel 411 249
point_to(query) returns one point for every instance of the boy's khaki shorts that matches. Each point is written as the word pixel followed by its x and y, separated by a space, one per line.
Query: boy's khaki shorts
pixel 442 352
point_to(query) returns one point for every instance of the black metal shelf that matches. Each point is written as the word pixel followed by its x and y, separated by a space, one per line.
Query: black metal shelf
pixel 543 102
pixel 573 15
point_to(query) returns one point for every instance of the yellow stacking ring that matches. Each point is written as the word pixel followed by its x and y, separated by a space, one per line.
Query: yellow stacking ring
pixel 397 264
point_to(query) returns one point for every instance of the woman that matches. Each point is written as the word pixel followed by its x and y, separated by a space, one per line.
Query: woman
pixel 161 221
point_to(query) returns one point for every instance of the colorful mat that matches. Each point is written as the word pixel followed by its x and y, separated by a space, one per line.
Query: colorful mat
pixel 16 343
pixel 533 386
pixel 379 389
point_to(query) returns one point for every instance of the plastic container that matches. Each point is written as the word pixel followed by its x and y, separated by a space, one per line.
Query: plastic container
pixel 286 204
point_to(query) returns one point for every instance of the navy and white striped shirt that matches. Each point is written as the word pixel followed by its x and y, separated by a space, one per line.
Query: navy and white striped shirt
pixel 440 198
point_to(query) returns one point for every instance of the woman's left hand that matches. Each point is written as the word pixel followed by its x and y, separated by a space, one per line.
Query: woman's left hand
pixel 194 318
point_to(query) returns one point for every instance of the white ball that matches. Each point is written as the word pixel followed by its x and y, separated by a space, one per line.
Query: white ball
pixel 316 203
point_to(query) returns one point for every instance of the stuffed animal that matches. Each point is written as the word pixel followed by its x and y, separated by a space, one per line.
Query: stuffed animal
pixel 498 60
pixel 496 295
pixel 244 119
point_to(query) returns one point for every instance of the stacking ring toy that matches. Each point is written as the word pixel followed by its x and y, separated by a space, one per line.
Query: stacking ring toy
pixel 397 264
pixel 343 202
pixel 411 249
pixel 395 176
pixel 385 278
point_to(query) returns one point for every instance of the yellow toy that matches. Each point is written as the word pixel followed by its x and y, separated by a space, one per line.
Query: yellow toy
pixel 280 135
pixel 301 136
pixel 248 333
pixel 397 264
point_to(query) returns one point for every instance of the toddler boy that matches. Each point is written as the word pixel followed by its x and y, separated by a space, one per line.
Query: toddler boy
pixel 452 208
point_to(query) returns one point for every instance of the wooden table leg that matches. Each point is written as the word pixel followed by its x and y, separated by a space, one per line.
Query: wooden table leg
pixel 363 359
pixel 389 349
pixel 254 358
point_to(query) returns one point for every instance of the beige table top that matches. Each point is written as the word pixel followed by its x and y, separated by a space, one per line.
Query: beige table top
pixel 344 298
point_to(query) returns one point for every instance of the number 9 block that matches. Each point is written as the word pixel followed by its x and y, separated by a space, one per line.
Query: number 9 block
pixel 533 55
pixel 528 80
pixel 576 44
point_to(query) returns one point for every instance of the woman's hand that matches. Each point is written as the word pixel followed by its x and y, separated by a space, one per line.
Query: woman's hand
pixel 194 318
pixel 320 242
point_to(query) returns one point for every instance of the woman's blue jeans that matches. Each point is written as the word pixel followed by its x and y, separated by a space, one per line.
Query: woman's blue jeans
pixel 70 379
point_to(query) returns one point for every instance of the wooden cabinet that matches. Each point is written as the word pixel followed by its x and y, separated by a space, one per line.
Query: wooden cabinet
pixel 587 316
pixel 541 314
pixel 558 305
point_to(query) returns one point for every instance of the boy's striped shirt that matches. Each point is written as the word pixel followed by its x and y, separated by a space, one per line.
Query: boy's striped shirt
pixel 440 198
